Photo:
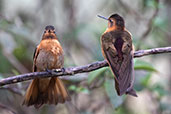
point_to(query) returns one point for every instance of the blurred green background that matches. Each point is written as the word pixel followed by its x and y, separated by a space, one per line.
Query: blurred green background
pixel 78 28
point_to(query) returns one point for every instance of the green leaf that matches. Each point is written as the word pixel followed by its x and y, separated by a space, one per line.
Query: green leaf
pixel 145 80
pixel 142 65
pixel 15 72
pixel 159 89
pixel 82 89
pixel 4 24
pixel 72 88
pixel 1 77
pixel 6 67
pixel 95 74
pixel 115 100
pixel 151 3
pixel 160 22
pixel 78 89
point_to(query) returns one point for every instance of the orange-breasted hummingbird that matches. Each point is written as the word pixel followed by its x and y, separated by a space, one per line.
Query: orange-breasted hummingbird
pixel 47 56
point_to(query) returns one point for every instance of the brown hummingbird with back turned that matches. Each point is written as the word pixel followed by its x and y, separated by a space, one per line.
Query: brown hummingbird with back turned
pixel 117 49
pixel 47 56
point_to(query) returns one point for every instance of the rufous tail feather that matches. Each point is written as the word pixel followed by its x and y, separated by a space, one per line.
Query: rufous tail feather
pixel 55 93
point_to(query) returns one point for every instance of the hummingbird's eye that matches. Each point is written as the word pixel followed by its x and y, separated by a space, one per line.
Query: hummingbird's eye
pixel 111 22
pixel 44 31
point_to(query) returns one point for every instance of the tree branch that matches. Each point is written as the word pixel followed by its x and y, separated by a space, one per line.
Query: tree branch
pixel 76 70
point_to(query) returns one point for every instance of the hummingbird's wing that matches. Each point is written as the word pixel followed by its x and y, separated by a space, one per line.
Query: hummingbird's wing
pixel 36 52
pixel 117 49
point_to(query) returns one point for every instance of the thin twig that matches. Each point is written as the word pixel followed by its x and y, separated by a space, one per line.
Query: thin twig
pixel 129 9
pixel 150 22
pixel 149 25
pixel 13 60
pixel 76 70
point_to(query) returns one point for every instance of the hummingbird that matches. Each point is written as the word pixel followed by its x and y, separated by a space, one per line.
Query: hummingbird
pixel 47 56
pixel 117 49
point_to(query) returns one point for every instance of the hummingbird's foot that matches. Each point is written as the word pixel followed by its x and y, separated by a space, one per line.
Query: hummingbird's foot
pixel 55 71
pixel 49 71
pixel 59 70
pixel 62 70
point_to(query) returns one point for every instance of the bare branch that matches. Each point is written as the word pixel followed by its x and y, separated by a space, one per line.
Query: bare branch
pixel 149 25
pixel 76 70
pixel 141 53
pixel 12 59
pixel 150 22
pixel 128 9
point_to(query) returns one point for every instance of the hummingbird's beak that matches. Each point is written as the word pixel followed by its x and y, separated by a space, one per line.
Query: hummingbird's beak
pixel 102 17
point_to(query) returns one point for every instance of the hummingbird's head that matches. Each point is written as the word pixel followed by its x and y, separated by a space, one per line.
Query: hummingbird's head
pixel 115 21
pixel 49 32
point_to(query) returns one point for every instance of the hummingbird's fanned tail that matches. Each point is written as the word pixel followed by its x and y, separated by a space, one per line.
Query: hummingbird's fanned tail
pixel 132 92
pixel 54 94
